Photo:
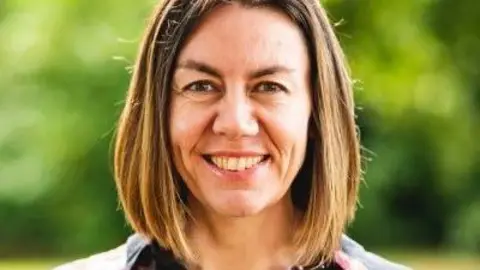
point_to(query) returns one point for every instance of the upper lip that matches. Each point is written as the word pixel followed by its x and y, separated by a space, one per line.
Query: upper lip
pixel 236 153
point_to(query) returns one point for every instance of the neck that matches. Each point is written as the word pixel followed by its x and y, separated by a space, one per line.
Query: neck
pixel 259 241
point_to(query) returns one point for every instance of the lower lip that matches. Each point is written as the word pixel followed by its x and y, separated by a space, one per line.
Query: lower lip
pixel 244 175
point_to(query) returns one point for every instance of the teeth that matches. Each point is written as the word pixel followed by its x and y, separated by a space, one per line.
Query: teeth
pixel 241 164
pixel 236 164
pixel 224 162
pixel 232 163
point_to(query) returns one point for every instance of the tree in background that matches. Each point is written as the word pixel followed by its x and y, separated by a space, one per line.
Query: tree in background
pixel 65 69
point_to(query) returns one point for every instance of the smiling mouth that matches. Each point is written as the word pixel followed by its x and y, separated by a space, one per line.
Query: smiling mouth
pixel 236 164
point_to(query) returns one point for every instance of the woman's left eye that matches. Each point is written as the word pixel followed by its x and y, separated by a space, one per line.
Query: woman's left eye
pixel 270 87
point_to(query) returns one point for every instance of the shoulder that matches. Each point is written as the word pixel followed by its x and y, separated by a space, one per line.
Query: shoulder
pixel 114 259
pixel 369 260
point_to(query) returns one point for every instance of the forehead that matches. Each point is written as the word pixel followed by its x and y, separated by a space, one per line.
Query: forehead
pixel 246 37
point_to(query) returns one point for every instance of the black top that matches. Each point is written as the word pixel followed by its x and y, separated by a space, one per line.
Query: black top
pixel 146 255
pixel 153 257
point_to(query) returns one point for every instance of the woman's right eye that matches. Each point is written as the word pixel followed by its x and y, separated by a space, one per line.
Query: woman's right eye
pixel 200 86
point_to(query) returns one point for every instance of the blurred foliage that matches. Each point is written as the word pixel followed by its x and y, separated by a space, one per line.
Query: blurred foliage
pixel 63 77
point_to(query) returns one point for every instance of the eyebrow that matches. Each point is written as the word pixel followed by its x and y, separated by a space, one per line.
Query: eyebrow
pixel 205 68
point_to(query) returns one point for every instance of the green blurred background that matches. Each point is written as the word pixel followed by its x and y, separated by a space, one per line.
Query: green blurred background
pixel 64 70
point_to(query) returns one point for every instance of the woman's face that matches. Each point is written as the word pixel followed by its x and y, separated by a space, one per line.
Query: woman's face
pixel 240 109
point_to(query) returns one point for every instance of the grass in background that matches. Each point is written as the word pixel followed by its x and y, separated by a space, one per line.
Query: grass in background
pixel 437 261
pixel 29 264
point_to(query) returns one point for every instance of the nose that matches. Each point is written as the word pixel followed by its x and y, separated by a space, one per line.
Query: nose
pixel 235 117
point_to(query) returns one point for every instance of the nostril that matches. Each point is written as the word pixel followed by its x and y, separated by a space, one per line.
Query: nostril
pixel 234 121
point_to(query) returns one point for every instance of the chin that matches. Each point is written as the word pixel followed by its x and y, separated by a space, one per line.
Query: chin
pixel 238 212
pixel 239 206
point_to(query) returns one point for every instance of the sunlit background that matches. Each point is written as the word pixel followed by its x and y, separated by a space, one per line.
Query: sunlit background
pixel 64 70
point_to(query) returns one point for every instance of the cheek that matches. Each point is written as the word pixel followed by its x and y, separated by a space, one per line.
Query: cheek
pixel 287 128
pixel 287 124
pixel 187 124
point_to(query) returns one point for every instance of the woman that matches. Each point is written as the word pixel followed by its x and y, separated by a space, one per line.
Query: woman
pixel 237 146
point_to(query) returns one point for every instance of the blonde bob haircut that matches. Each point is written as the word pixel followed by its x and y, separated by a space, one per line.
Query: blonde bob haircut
pixel 149 187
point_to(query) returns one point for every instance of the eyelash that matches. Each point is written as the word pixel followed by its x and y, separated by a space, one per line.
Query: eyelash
pixel 280 88
pixel 201 83
pixel 205 83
